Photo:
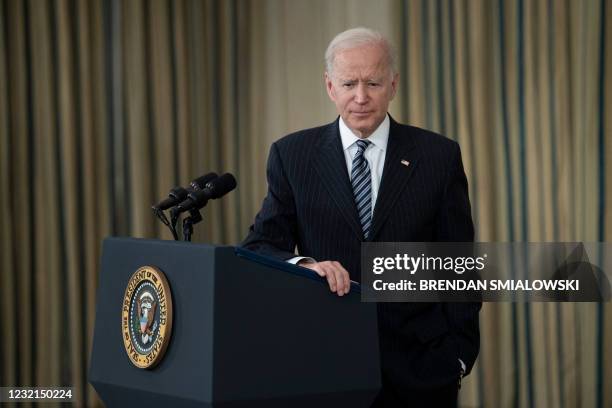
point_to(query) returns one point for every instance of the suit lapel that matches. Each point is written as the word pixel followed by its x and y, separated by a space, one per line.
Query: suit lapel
pixel 400 161
pixel 330 164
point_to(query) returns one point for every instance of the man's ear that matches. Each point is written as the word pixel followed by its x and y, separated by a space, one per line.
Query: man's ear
pixel 329 87
pixel 394 84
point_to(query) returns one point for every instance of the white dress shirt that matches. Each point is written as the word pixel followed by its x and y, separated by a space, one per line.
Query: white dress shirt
pixel 374 154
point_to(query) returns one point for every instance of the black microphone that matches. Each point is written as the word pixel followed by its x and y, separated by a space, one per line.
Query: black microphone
pixel 200 182
pixel 179 194
pixel 213 190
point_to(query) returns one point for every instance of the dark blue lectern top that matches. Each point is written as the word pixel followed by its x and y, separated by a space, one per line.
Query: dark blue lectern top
pixel 288 267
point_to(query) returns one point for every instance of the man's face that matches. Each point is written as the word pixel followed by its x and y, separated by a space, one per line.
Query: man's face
pixel 361 85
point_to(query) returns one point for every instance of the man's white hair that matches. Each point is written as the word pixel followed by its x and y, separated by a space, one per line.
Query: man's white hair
pixel 358 37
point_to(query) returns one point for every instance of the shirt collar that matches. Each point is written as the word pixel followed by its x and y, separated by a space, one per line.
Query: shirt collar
pixel 379 138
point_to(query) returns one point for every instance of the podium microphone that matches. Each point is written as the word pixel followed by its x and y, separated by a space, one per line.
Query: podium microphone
pixel 213 190
pixel 179 194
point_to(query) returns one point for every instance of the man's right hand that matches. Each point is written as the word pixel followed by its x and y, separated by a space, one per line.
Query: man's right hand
pixel 337 277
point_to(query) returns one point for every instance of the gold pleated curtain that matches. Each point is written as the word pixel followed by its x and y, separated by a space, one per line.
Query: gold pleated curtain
pixel 525 88
pixel 106 105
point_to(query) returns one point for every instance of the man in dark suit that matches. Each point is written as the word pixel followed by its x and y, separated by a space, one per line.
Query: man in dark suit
pixel 365 177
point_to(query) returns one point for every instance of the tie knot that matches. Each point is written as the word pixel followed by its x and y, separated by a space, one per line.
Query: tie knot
pixel 362 145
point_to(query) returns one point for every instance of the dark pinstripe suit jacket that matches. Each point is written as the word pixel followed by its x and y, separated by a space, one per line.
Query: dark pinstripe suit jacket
pixel 310 206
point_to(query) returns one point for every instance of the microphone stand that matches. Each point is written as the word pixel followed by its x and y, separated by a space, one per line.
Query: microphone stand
pixel 160 214
pixel 188 222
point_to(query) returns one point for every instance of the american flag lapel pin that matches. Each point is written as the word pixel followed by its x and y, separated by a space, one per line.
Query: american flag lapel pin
pixel 405 163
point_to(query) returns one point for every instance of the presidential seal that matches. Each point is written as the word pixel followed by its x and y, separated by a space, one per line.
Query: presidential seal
pixel 146 318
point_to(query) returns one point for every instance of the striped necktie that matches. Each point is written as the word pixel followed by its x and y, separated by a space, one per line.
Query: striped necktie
pixel 362 186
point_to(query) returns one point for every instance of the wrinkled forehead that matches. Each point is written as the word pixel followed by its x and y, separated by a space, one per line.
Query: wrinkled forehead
pixel 367 62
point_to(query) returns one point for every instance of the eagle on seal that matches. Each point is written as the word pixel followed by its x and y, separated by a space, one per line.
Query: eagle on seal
pixel 146 312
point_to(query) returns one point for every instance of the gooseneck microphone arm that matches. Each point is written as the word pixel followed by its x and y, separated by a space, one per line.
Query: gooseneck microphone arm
pixel 188 222
pixel 160 214
pixel 177 194
pixel 173 222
